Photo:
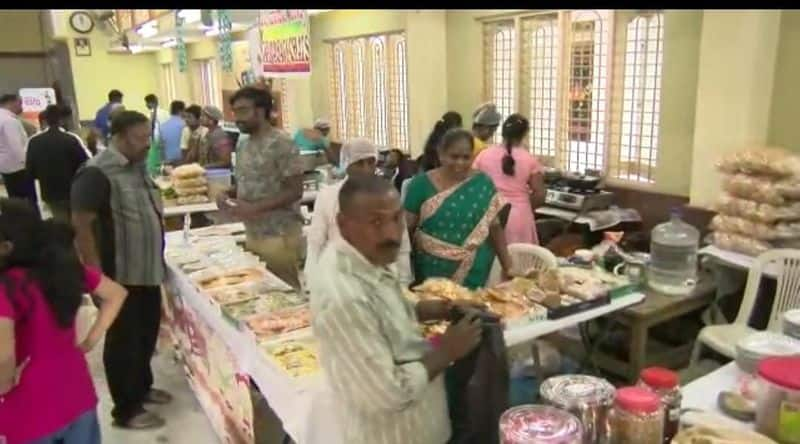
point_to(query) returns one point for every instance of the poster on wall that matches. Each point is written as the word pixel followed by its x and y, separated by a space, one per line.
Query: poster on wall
pixel 34 101
pixel 285 47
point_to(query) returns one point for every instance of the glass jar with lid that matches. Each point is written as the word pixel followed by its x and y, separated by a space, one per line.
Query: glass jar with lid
pixel 637 417
pixel 665 383
pixel 539 424
pixel 587 397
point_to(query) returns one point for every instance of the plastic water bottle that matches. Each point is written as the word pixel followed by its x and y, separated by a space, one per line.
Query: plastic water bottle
pixel 673 256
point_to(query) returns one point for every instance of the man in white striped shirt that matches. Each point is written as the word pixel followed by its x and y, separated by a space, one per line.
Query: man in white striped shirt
pixel 385 373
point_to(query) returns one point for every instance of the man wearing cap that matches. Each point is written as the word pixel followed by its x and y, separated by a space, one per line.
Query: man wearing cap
pixel 485 121
pixel 215 151
pixel 359 157
pixel 314 141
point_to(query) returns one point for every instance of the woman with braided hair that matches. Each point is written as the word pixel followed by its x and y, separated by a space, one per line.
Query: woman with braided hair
pixel 518 177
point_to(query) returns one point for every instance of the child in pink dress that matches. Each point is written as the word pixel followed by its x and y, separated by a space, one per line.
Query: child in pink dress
pixel 516 175
pixel 46 390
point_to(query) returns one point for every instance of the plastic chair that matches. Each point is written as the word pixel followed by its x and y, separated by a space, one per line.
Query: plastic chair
pixel 723 338
pixel 524 257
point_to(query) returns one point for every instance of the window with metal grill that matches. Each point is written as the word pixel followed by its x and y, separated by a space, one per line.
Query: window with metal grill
pixel 500 48
pixel 638 135
pixel 590 83
pixel 369 89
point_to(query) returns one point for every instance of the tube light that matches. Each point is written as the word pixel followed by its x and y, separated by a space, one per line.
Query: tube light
pixel 189 15
pixel 212 32
pixel 135 49
pixel 147 30
pixel 171 43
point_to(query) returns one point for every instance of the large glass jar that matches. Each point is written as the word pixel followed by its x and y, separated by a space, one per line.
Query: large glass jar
pixel 539 424
pixel 637 418
pixel 778 399
pixel 587 397
pixel 665 383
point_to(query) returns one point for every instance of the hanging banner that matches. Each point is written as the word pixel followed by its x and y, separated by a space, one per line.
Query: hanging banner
pixel 225 51
pixel 34 101
pixel 285 47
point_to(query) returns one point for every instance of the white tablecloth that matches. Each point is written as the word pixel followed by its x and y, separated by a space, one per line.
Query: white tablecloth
pixel 308 408
pixel 702 392
pixel 304 408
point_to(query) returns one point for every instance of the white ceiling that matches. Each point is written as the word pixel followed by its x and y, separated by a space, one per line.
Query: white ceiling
pixel 241 19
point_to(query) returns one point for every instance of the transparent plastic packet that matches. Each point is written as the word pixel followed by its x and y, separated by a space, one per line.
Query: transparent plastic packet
pixel 739 243
pixel 758 189
pixel 774 162
pixel 756 211
pixel 756 230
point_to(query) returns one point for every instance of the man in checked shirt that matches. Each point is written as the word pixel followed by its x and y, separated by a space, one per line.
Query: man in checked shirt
pixel 387 375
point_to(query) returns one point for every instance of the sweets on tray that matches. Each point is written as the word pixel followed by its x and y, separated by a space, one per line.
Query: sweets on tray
pixel 298 358
pixel 440 288
pixel 279 322
pixel 228 278
pixel 263 302
pixel 232 295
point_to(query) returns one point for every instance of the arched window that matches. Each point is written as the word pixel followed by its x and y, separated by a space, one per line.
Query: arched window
pixel 638 142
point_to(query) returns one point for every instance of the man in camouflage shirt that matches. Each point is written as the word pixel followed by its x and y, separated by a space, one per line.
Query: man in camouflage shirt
pixel 269 185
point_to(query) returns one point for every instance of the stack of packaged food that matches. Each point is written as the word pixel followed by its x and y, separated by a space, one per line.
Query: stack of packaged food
pixel 190 184
pixel 760 207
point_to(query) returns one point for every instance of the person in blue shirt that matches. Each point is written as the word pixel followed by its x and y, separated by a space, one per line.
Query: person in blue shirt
pixel 170 133
pixel 101 119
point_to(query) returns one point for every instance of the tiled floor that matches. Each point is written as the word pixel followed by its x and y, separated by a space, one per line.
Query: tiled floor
pixel 186 422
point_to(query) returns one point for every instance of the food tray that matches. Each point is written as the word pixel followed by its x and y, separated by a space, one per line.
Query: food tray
pixel 576 307
pixel 300 363
pixel 232 295
pixel 264 301
pixel 215 278
pixel 279 322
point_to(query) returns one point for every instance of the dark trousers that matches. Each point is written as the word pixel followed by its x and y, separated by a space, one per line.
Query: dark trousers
pixel 20 185
pixel 130 344
pixel 60 210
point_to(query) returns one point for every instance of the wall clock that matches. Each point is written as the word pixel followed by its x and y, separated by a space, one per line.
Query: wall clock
pixel 81 22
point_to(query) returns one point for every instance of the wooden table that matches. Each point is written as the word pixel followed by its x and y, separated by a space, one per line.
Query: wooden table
pixel 656 309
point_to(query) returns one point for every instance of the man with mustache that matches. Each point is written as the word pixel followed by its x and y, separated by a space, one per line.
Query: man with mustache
pixel 269 185
pixel 387 376
pixel 117 214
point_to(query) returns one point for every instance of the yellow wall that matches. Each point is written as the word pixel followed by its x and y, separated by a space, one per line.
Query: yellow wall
pixel 784 129
pixel 734 91
pixel 717 86
pixel 95 75
pixel 682 31
pixel 21 31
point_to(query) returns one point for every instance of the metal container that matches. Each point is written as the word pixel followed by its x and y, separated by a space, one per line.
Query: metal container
pixel 587 397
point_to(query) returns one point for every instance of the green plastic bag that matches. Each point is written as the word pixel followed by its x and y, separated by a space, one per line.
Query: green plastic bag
pixel 154 159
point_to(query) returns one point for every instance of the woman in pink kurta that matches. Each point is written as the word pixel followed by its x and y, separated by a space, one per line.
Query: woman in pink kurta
pixel 517 175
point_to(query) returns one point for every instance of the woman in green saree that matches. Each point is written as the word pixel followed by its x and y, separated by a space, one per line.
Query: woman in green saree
pixel 452 217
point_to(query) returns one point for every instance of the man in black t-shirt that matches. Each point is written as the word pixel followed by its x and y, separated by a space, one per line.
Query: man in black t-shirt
pixel 53 156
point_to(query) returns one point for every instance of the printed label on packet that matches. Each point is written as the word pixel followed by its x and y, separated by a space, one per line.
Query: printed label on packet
pixel 789 422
